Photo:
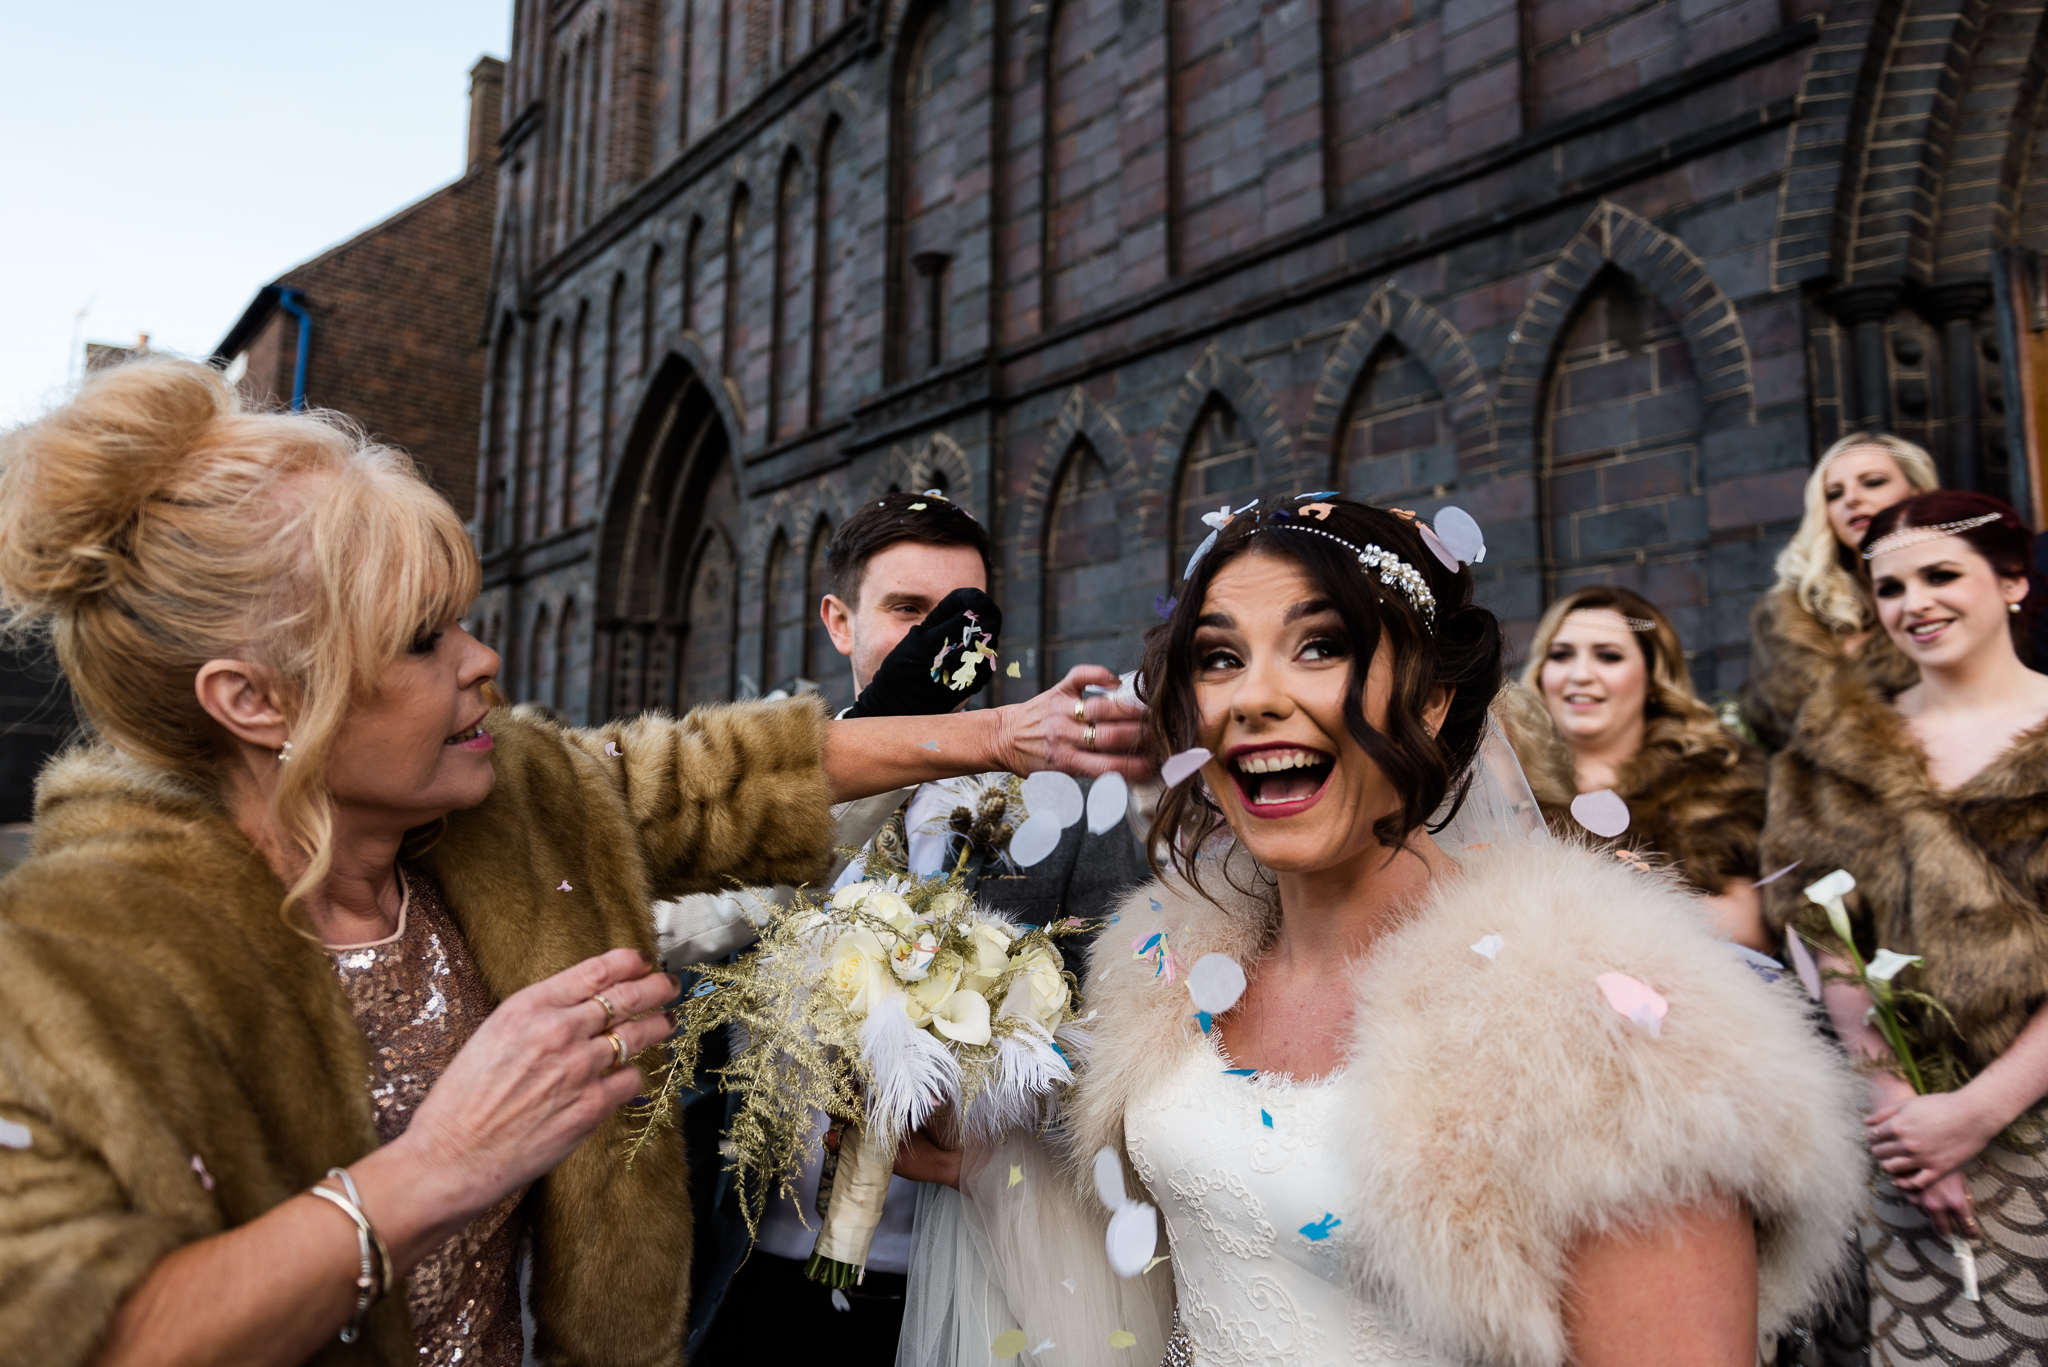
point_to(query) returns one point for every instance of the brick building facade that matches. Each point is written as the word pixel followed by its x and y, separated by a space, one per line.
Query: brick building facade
pixel 1607 273
pixel 388 326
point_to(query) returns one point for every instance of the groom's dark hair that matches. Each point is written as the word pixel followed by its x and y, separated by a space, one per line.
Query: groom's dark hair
pixel 894 517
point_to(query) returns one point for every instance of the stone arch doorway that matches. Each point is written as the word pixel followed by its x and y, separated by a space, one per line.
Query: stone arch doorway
pixel 667 610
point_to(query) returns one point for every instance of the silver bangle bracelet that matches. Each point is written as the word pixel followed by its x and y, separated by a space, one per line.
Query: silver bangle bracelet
pixel 369 1248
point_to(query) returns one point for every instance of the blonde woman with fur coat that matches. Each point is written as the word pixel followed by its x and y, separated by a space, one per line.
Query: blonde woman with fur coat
pixel 1935 797
pixel 324 979
pixel 1424 1133
pixel 1819 614
pixel 1610 669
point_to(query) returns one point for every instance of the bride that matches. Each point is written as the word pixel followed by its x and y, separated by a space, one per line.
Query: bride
pixel 1506 1102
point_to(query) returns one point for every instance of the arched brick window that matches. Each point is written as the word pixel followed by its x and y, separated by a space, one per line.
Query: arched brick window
pixel 732 339
pixel 1395 442
pixel 832 301
pixel 493 488
pixel 565 697
pixel 1083 157
pixel 782 619
pixel 822 660
pixel 693 267
pixel 608 398
pixel 572 420
pixel 1084 597
pixel 650 309
pixel 789 384
pixel 1220 465
pixel 540 661
pixel 546 458
pixel 929 156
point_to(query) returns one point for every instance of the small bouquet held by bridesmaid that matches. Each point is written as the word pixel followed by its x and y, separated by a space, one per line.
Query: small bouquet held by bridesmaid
pixel 894 1000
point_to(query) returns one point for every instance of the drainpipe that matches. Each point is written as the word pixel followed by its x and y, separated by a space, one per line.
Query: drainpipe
pixel 292 302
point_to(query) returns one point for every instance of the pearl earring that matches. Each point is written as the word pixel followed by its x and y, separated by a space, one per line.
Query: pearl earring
pixel 284 755
pixel 2012 607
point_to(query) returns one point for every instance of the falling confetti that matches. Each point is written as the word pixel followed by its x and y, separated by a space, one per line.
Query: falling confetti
pixel 1123 1338
pixel 563 886
pixel 918 508
pixel 1320 1230
pixel 1155 904
pixel 1071 1287
pixel 1802 962
pixel 1320 493
pixel 1265 1119
pixel 1633 860
pixel 1437 548
pixel 1241 1072
pixel 1008 1344
pixel 839 1301
pixel 1216 981
pixel 931 745
pixel 1154 1263
pixel 1164 604
pixel 14 1136
pixel 1320 511
pixel 1460 535
pixel 1016 1174
pixel 1108 799
pixel 199 1170
pixel 1488 946
pixel 1043 1346
pixel 1771 878
pixel 611 750
pixel 1206 1021
pixel 1013 671
pixel 1603 813
pixel 1636 999
pixel 1183 766
pixel 1154 950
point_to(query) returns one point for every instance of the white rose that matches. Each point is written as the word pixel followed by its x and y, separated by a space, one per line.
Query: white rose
pixel 947 904
pixel 929 993
pixel 1040 994
pixel 858 972
pixel 963 1017
pixel 912 959
pixel 991 955
pixel 890 907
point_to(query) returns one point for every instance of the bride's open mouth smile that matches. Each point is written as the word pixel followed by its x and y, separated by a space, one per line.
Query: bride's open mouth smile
pixel 1279 779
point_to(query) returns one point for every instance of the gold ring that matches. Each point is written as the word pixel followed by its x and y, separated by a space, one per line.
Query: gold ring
pixel 1088 736
pixel 618 1051
pixel 1080 709
pixel 610 1014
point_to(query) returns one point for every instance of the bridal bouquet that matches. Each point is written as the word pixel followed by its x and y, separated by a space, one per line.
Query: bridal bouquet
pixel 886 1003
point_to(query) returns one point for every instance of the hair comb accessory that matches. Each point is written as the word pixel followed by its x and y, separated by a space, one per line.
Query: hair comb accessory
pixel 1216 522
pixel 1610 617
pixel 1394 572
pixel 1913 536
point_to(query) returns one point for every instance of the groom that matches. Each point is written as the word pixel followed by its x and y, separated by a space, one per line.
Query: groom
pixel 891 565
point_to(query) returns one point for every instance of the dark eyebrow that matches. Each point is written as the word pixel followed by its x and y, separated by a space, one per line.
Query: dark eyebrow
pixel 1308 609
pixel 1217 619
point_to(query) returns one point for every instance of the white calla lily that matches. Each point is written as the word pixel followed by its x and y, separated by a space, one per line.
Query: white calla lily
pixel 929 993
pixel 963 1017
pixel 1828 893
pixel 1887 963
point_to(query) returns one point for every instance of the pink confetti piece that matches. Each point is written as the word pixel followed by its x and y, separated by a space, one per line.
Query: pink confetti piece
pixel 1636 999
pixel 612 751
pixel 1803 964
pixel 1319 511
pixel 563 886
pixel 1771 878
pixel 1603 813
pixel 1183 766
pixel 1153 949
pixel 1437 548
pixel 1633 860
pixel 199 1170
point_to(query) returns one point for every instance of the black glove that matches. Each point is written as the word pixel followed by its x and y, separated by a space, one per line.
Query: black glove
pixel 904 686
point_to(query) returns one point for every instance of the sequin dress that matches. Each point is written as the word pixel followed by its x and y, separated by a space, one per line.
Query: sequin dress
pixel 419 999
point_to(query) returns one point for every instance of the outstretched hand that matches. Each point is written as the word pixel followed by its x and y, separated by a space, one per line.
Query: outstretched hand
pixel 1064 729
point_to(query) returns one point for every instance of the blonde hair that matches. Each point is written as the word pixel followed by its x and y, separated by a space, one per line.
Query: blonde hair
pixel 1676 716
pixel 1815 567
pixel 149 526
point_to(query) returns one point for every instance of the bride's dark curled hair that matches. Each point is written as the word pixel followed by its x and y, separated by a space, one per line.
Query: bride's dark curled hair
pixel 1459 649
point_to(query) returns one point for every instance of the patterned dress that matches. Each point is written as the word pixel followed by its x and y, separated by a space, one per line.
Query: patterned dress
pixel 419 999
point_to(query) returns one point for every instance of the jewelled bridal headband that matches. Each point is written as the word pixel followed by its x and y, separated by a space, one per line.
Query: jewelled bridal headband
pixel 1913 536
pixel 1609 615
pixel 1456 540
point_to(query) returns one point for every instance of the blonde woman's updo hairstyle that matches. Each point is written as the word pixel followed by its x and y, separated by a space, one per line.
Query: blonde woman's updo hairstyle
pixel 1459 649
pixel 1815 567
pixel 149 526
pixel 1674 715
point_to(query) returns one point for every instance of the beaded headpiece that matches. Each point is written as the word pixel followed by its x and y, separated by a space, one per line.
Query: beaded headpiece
pixel 1627 623
pixel 1394 572
pixel 1913 536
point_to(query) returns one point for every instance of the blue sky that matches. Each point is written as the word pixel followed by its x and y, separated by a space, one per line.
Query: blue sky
pixel 162 162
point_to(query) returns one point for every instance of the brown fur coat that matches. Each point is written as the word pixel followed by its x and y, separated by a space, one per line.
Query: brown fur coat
pixel 154 1011
pixel 1496 1110
pixel 1792 654
pixel 1956 876
pixel 1699 811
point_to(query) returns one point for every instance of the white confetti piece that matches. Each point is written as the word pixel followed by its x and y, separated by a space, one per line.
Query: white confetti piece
pixel 1488 946
pixel 1771 878
pixel 1803 964
pixel 563 886
pixel 1461 535
pixel 1216 981
pixel 839 1301
pixel 1054 796
pixel 13 1136
pixel 1603 813
pixel 1070 1285
pixel 612 751
pixel 1636 999
pixel 1043 1346
pixel 1183 766
pixel 1031 842
pixel 1108 799
pixel 931 745
pixel 1133 1238
pixel 1109 1178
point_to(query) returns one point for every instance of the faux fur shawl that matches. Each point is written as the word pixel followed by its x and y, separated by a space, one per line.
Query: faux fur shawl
pixel 1792 654
pixel 175 1061
pixel 1956 876
pixel 1698 810
pixel 1498 1110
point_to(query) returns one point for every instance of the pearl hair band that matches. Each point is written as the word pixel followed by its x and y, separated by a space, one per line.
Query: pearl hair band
pixel 1609 614
pixel 1394 572
pixel 1913 536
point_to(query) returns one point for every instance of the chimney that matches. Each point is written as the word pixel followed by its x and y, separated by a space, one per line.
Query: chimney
pixel 486 111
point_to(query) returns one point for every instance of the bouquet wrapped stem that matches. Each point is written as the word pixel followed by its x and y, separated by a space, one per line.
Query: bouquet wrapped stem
pixel 859 1187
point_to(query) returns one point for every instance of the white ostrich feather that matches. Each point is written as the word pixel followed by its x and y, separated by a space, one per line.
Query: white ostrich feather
pixel 913 1073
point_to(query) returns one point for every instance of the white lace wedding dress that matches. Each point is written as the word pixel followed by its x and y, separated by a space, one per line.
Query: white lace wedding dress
pixel 1249 1172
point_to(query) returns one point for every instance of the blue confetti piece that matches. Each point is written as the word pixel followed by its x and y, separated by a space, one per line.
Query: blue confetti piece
pixel 1057 1050
pixel 1242 1072
pixel 1206 1019
pixel 1265 1120
pixel 1156 906
pixel 1320 1229
pixel 1149 944
pixel 705 989
pixel 1320 493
